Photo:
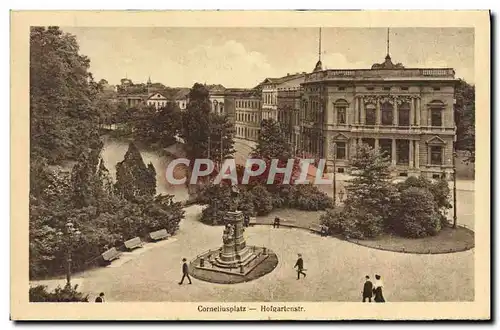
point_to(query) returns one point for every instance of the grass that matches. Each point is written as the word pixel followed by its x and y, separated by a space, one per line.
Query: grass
pixel 448 240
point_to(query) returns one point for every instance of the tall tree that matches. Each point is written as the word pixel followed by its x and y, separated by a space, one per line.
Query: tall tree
pixel 465 118
pixel 133 178
pixel 272 142
pixel 63 118
pixel 196 123
pixel 222 137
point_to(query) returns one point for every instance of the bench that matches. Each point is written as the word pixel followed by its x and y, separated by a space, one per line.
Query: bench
pixel 111 254
pixel 317 228
pixel 253 221
pixel 159 234
pixel 133 243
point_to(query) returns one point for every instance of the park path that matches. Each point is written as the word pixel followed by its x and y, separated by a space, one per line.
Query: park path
pixel 335 270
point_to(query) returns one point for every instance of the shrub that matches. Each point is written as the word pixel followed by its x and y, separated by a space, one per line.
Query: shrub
pixel 212 216
pixel 308 197
pixel 39 293
pixel 417 215
pixel 263 203
pixel 352 223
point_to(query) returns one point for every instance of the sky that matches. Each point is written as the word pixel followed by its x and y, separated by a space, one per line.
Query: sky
pixel 243 57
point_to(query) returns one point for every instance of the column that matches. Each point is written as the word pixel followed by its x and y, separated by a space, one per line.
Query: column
pixel 395 113
pixel 356 108
pixel 376 143
pixel 393 161
pixel 418 110
pixel 362 112
pixel 334 115
pixel 412 112
pixel 353 148
pixel 377 113
pixel 417 153
pixel 411 154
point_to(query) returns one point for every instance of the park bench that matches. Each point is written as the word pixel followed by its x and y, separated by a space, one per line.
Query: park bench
pixel 159 234
pixel 133 243
pixel 110 255
pixel 253 221
pixel 317 228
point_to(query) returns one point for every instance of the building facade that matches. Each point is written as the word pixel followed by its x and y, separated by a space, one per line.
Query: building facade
pixel 289 101
pixel 247 115
pixel 405 112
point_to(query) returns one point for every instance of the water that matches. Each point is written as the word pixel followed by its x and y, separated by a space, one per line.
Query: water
pixel 113 152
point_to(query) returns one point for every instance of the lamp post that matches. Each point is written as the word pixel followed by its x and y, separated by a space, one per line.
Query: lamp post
pixel 67 238
pixel 334 173
pixel 454 189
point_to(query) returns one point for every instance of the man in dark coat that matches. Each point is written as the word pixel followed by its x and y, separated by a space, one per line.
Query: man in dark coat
pixel 367 289
pixel 246 220
pixel 185 272
pixel 300 266
pixel 100 299
pixel 276 223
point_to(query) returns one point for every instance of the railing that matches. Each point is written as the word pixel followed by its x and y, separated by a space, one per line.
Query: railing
pixel 381 73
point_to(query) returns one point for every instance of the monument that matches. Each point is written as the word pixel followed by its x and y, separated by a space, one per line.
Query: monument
pixel 234 261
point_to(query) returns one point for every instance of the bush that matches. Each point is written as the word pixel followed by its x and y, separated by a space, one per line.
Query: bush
pixel 308 197
pixel 39 293
pixel 417 216
pixel 213 216
pixel 247 203
pixel 352 223
pixel 263 200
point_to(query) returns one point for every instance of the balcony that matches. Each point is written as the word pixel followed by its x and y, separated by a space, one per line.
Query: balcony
pixel 382 74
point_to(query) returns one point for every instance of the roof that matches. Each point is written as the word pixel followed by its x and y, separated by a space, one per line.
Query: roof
pixel 215 88
pixel 283 79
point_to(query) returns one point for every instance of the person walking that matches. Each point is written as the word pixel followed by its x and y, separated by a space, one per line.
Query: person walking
pixel 300 266
pixel 185 272
pixel 276 223
pixel 367 289
pixel 100 299
pixel 377 290
pixel 246 220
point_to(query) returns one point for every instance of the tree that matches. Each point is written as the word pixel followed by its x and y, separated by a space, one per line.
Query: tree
pixel 416 216
pixel 133 178
pixel 465 118
pixel 196 127
pixel 371 185
pixel 221 136
pixel 272 142
pixel 63 118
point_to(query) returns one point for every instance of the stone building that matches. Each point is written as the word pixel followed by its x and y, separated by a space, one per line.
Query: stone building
pixel 246 106
pixel 216 95
pixel 406 112
pixel 289 102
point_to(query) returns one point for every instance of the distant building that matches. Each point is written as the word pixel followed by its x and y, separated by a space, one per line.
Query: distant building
pixel 157 100
pixel 216 95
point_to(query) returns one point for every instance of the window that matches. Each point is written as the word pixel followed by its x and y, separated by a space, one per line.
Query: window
pixel 404 115
pixel 387 88
pixel 387 115
pixel 341 112
pixel 340 170
pixel 404 88
pixel 436 119
pixel 436 88
pixel 436 155
pixel 402 152
pixel 341 88
pixel 370 115
pixel 370 88
pixel 385 146
pixel 340 150
pixel 369 142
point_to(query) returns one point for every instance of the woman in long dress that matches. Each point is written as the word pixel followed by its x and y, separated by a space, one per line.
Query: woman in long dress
pixel 377 289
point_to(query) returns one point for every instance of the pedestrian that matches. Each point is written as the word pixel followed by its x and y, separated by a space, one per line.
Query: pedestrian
pixel 276 223
pixel 367 289
pixel 377 290
pixel 100 299
pixel 246 220
pixel 185 272
pixel 300 266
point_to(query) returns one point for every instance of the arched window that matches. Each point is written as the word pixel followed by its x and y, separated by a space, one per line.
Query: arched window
pixel 387 114
pixel 370 114
pixel 404 115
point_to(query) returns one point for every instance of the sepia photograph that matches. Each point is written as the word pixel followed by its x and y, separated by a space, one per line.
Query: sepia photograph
pixel 252 171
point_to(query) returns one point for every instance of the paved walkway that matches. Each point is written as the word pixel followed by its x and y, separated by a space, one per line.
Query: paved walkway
pixel 335 270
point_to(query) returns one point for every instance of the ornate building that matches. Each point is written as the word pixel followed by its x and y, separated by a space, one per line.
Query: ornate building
pixel 406 112
pixel 246 106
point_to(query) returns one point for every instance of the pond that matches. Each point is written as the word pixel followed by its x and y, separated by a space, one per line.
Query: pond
pixel 113 152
